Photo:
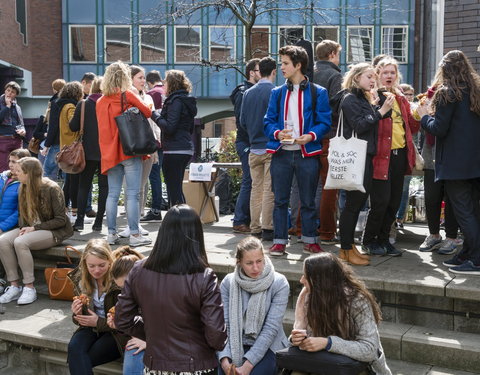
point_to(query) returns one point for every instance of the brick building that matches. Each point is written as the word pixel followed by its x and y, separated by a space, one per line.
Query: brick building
pixel 462 28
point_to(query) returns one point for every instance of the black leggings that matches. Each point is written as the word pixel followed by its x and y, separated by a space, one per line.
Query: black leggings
pixel 434 194
pixel 173 167
pixel 84 185
pixel 70 189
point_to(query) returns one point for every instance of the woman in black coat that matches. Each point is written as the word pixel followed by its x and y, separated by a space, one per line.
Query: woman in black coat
pixel 456 124
pixel 92 158
pixel 360 115
pixel 176 121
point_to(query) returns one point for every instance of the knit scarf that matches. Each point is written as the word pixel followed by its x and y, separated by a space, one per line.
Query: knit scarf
pixel 255 314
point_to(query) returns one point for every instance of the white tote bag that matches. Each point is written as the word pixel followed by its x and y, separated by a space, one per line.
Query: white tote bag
pixel 346 161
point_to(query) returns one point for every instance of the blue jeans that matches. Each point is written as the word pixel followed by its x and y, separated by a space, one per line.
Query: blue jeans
pixel 286 164
pixel 156 183
pixel 405 196
pixel 242 207
pixel 88 349
pixel 50 167
pixel 132 170
pixel 267 365
pixel 133 363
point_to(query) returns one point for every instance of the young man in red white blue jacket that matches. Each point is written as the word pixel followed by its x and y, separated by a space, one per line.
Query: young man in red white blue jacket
pixel 306 110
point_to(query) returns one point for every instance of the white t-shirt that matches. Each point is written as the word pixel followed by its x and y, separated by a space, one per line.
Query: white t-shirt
pixel 292 117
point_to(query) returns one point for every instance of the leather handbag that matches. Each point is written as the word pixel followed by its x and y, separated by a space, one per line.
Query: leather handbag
pixel 136 135
pixel 34 145
pixel 59 285
pixel 71 158
pixel 318 363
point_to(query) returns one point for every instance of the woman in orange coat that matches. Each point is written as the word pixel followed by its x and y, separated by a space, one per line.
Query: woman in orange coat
pixel 115 164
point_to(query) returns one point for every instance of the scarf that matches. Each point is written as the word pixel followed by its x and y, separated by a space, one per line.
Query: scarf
pixel 255 314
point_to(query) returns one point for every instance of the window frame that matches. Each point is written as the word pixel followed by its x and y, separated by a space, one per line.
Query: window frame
pixel 407 39
pixel 105 43
pixel 372 44
pixel 175 44
pixel 70 57
pixel 140 27
pixel 279 27
pixel 234 58
pixel 325 27
pixel 269 52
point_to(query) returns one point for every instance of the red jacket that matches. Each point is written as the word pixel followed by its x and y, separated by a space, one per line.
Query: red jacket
pixel 381 161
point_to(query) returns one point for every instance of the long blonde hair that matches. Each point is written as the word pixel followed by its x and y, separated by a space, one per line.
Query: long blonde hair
pixel 350 80
pixel 385 62
pixel 29 194
pixel 101 249
pixel 116 79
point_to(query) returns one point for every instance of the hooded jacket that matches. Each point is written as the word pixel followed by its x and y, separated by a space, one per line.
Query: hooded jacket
pixel 8 202
pixel 316 124
pixel 176 120
pixel 236 97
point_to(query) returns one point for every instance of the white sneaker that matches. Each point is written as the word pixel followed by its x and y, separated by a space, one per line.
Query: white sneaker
pixel 112 238
pixel 143 231
pixel 29 295
pixel 72 218
pixel 88 220
pixel 11 294
pixel 125 233
pixel 139 241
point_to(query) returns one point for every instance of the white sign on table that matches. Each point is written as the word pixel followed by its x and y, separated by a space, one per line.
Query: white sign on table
pixel 200 171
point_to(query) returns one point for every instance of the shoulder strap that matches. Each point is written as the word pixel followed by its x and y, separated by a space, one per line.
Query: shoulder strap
pixel 313 94
pixel 82 117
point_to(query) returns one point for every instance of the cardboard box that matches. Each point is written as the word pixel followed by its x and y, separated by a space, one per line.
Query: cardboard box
pixel 194 195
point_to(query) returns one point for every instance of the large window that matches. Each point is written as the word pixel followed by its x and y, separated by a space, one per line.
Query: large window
pixel 152 44
pixel 395 42
pixel 187 44
pixel 222 44
pixel 260 41
pixel 118 44
pixel 321 33
pixel 359 44
pixel 289 35
pixel 83 44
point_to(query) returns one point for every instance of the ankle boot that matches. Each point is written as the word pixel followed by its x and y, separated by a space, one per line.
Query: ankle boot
pixel 350 257
pixel 78 226
pixel 359 254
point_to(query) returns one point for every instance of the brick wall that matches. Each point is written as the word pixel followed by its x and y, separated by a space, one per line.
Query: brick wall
pixel 462 28
pixel 42 55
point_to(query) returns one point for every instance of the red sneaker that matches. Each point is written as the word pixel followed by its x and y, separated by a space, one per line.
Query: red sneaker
pixel 277 250
pixel 312 248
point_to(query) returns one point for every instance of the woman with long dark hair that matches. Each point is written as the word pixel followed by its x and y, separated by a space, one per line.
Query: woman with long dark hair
pixel 255 298
pixel 176 120
pixel 336 312
pixel 176 282
pixel 456 124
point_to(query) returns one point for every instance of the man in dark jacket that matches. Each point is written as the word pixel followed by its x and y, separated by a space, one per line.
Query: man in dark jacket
pixel 241 218
pixel 327 74
pixel 254 107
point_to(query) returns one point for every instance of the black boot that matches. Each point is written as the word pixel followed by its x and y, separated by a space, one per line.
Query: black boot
pixel 78 226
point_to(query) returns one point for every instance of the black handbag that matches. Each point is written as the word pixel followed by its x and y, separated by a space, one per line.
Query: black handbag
pixel 136 135
pixel 318 363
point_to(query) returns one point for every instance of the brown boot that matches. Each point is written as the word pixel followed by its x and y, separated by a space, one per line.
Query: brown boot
pixel 359 254
pixel 350 257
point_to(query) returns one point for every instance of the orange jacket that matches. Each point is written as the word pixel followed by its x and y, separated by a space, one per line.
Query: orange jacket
pixel 108 107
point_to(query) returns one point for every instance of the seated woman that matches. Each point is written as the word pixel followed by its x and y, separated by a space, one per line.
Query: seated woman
pixel 337 313
pixel 124 260
pixel 94 342
pixel 255 298
pixel 42 223
pixel 179 298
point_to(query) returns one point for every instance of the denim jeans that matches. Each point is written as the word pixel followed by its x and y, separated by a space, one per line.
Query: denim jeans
pixel 266 366
pixel 50 167
pixel 156 183
pixel 133 363
pixel 88 349
pixel 242 207
pixel 286 164
pixel 131 169
pixel 405 196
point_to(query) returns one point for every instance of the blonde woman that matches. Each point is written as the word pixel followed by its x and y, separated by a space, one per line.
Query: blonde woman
pixel 42 223
pixel 94 342
pixel 360 115
pixel 115 163
pixel 176 120
pixel 394 159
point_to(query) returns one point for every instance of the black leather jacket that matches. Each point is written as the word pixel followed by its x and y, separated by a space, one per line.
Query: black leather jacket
pixel 183 320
